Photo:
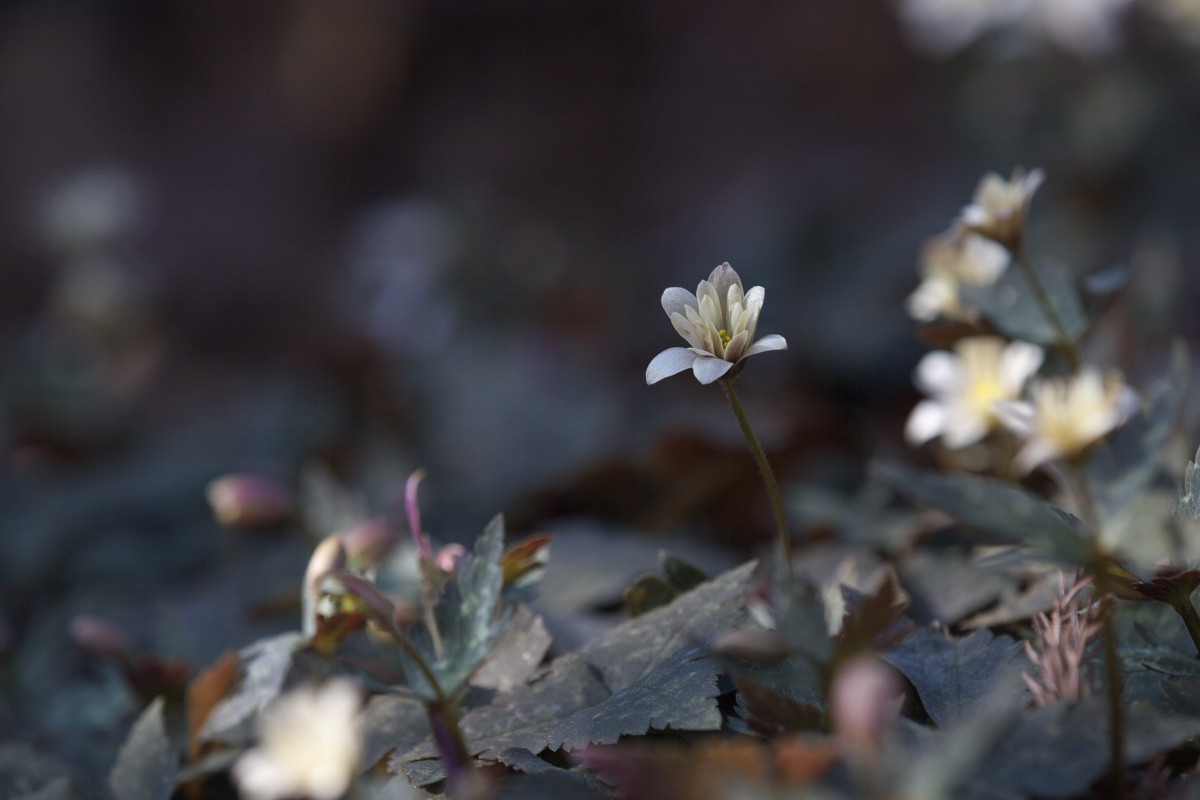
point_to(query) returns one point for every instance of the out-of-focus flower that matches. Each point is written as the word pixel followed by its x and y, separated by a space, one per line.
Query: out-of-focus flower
pixel 1060 644
pixel 249 501
pixel 310 746
pixel 1086 27
pixel 1182 16
pixel 91 210
pixel 999 207
pixel 328 556
pixel 865 703
pixel 718 322
pixel 941 27
pixel 948 261
pixel 966 388
pixel 1064 417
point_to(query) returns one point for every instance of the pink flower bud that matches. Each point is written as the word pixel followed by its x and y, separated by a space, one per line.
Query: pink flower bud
pixel 249 501
pixel 369 541
pixel 865 703
pixel 450 557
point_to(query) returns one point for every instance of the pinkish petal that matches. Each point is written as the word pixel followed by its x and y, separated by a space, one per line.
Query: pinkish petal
pixel 722 278
pixel 737 346
pixel 669 362
pixel 710 368
pixel 769 342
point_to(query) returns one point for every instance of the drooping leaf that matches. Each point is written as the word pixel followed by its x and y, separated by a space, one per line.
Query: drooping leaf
pixel 954 677
pixel 644 673
pixel 265 666
pixel 147 766
pixel 1006 513
pixel 1014 306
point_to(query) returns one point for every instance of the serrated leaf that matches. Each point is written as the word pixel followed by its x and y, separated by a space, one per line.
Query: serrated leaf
pixel 1013 305
pixel 954 677
pixel 1007 513
pixel 519 650
pixel 772 713
pixel 147 766
pixel 468 617
pixel 265 666
pixel 643 673
pixel 392 722
pixel 537 779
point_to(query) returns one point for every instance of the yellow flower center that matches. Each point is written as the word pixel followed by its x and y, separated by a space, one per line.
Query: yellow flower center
pixel 725 337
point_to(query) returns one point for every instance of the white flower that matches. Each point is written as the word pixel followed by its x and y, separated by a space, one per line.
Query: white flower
pixel 1065 417
pixel 944 26
pixel 999 206
pixel 718 321
pixel 966 386
pixel 949 261
pixel 1087 27
pixel 310 746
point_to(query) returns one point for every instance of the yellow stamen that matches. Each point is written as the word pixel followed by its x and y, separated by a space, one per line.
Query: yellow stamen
pixel 725 337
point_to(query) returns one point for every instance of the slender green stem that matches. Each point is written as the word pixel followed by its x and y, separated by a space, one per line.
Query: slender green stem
pixel 1191 619
pixel 764 469
pixel 1068 344
pixel 1114 681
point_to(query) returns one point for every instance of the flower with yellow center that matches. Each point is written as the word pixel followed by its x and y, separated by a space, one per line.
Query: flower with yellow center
pixel 310 746
pixel 948 261
pixel 718 321
pixel 999 206
pixel 966 388
pixel 1066 416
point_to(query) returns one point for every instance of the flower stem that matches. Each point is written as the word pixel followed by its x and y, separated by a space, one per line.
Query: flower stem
pixel 1069 346
pixel 764 469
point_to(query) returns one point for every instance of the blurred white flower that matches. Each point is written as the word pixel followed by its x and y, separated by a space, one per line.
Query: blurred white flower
pixel 310 745
pixel 1182 16
pixel 949 261
pixel 999 206
pixel 1063 417
pixel 718 322
pixel 941 27
pixel 1086 27
pixel 91 210
pixel 966 388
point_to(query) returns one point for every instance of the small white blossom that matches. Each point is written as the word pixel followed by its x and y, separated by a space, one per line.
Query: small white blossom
pixel 718 321
pixel 1086 27
pixel 310 746
pixel 999 206
pixel 943 26
pixel 1066 416
pixel 949 261
pixel 966 388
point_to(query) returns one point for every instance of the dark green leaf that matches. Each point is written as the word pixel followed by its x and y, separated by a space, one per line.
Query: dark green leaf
pixel 57 789
pixel 541 780
pixel 1003 511
pixel 147 766
pixel 518 652
pixel 681 575
pixel 644 673
pixel 392 722
pixel 772 713
pixel 1013 305
pixel 954 677
pixel 647 594
pixel 265 666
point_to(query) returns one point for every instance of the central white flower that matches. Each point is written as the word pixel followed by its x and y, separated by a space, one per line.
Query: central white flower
pixel 999 207
pixel 951 260
pixel 1065 417
pixel 311 745
pixel 718 321
pixel 966 388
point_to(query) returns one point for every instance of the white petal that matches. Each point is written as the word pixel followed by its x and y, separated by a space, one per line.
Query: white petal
pixel 735 350
pixel 771 341
pixel 709 368
pixel 669 362
pixel 723 278
pixel 1018 417
pixel 925 422
pixel 706 293
pixel 960 430
pixel 1019 362
pixel 1035 453
pixel 687 330
pixel 938 373
pixel 676 299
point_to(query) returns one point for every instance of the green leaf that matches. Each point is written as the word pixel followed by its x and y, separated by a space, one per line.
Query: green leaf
pixel 647 594
pixel 681 575
pixel 265 666
pixel 147 766
pixel 392 722
pixel 1013 305
pixel 469 619
pixel 1002 511
pixel 645 673
pixel 954 677
pixel 518 652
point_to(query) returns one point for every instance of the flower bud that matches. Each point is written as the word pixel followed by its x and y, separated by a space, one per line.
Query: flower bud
pixel 369 541
pixel 865 703
pixel 248 501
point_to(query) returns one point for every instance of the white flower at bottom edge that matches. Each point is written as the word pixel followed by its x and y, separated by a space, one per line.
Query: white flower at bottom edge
pixel 718 321
pixel 310 745
pixel 966 388
pixel 1064 417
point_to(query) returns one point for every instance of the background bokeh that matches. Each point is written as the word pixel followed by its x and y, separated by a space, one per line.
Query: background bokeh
pixel 368 236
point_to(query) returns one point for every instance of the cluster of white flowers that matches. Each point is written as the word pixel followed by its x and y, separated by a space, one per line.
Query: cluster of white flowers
pixel 978 388
pixel 942 27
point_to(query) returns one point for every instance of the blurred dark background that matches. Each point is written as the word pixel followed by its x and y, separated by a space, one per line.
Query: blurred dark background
pixel 367 236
